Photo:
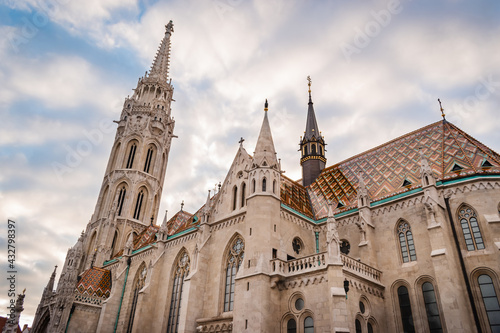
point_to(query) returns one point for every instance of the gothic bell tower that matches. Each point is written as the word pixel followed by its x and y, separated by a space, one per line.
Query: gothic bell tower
pixel 312 146
pixel 131 190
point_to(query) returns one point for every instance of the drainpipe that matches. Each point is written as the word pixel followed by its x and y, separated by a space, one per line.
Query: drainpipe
pixel 123 292
pixel 462 266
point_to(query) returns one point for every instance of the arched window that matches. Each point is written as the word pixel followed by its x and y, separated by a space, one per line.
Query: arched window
pixel 131 155
pixel 243 190
pixel 370 328
pixel 115 239
pixel 92 245
pixel 274 186
pixel 313 149
pixel 406 242
pixel 235 197
pixel 139 284
pixel 264 181
pixel 309 325
pixel 405 308
pixel 470 228
pixel 149 158
pixel 357 323
pixel 490 301
pixel 112 163
pixel 431 308
pixel 233 262
pixel 305 150
pixel 138 205
pixel 181 272
pixel 253 185
pixel 291 326
pixel 121 199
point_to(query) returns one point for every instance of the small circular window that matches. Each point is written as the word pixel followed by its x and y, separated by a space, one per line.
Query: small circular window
pixel 297 245
pixel 299 304
pixel 345 247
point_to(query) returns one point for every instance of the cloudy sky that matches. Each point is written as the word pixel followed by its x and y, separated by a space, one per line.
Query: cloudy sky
pixel 66 66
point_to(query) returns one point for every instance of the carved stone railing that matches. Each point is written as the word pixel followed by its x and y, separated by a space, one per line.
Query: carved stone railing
pixel 318 261
pixel 299 266
pixel 358 268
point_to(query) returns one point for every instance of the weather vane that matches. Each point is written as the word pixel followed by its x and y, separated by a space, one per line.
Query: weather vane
pixel 309 82
pixel 441 108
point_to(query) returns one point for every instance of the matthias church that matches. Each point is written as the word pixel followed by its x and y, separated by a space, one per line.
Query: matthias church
pixel 404 237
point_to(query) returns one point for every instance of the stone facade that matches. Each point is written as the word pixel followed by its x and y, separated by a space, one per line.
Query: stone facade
pixel 348 253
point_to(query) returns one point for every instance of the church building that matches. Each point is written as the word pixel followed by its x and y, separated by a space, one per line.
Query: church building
pixel 404 237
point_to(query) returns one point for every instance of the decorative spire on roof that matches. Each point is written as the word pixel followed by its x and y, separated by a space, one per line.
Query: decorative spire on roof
pixel 312 130
pixel 363 196
pixel 264 154
pixel 162 232
pixel 206 209
pixel 159 68
pixel 442 110
pixel 426 173
pixel 312 146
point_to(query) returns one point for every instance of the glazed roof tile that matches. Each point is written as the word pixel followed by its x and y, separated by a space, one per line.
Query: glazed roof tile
pixel 179 222
pixel 394 167
pixel 295 196
pixel 95 281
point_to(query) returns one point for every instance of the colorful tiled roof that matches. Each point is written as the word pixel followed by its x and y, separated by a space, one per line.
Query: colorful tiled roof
pixel 179 222
pixel 394 167
pixel 95 282
pixel 146 237
pixel 295 196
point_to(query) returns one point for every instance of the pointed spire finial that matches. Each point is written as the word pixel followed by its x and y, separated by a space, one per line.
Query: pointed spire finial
pixel 165 220
pixel 182 205
pixel 441 108
pixel 309 84
pixel 266 105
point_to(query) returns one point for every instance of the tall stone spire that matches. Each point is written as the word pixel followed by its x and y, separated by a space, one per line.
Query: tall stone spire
pixel 50 285
pixel 312 146
pixel 131 190
pixel 264 150
pixel 159 68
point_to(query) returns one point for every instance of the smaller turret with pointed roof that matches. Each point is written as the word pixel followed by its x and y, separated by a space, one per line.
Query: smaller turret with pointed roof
pixel 264 154
pixel 265 171
pixel 312 146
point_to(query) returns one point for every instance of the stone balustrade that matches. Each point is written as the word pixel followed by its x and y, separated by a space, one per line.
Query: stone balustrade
pixel 358 268
pixel 318 261
pixel 299 266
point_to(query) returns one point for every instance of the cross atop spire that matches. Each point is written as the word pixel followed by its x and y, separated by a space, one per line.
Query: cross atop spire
pixel 159 68
pixel 441 108
pixel 309 84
